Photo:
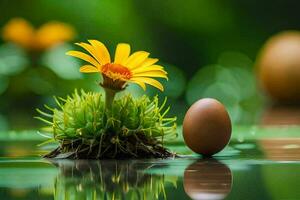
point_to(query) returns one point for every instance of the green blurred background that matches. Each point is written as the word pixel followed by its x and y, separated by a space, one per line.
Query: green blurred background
pixel 209 48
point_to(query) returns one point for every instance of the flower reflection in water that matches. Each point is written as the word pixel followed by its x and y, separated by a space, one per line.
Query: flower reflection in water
pixel 207 179
pixel 109 179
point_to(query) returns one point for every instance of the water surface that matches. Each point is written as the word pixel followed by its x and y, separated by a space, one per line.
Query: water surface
pixel 253 168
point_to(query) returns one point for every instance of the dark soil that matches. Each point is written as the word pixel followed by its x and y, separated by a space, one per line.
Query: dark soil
pixel 135 146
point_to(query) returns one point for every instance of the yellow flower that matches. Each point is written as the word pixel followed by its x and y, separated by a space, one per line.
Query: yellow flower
pixel 53 33
pixel 21 32
pixel 135 68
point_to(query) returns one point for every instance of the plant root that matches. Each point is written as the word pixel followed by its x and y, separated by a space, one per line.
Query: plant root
pixel 109 146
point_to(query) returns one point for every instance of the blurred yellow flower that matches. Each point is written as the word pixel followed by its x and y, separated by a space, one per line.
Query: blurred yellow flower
pixel 136 68
pixel 52 33
pixel 21 32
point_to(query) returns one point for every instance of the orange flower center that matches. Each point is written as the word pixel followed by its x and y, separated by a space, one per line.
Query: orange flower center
pixel 116 71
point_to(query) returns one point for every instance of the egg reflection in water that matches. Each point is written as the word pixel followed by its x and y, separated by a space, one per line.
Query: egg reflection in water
pixel 281 149
pixel 207 179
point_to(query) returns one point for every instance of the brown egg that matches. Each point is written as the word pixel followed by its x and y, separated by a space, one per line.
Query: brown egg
pixel 206 127
pixel 278 67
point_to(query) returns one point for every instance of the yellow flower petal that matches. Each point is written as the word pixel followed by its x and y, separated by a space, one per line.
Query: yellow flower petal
pixel 88 69
pixel 161 74
pixel 148 68
pixel 136 59
pixel 90 49
pixel 122 53
pixel 83 56
pixel 101 51
pixel 149 81
pixel 149 62
pixel 140 83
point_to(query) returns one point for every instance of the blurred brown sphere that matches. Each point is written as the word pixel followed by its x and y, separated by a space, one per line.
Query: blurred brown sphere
pixel 279 67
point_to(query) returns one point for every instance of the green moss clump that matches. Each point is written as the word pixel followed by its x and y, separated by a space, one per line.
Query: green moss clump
pixel 86 129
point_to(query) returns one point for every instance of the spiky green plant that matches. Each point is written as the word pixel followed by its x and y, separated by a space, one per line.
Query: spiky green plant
pixel 131 128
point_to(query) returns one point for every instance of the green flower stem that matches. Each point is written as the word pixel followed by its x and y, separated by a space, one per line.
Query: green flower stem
pixel 109 97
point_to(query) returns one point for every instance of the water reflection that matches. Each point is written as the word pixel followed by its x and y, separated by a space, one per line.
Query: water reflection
pixel 281 149
pixel 107 180
pixel 281 115
pixel 207 179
